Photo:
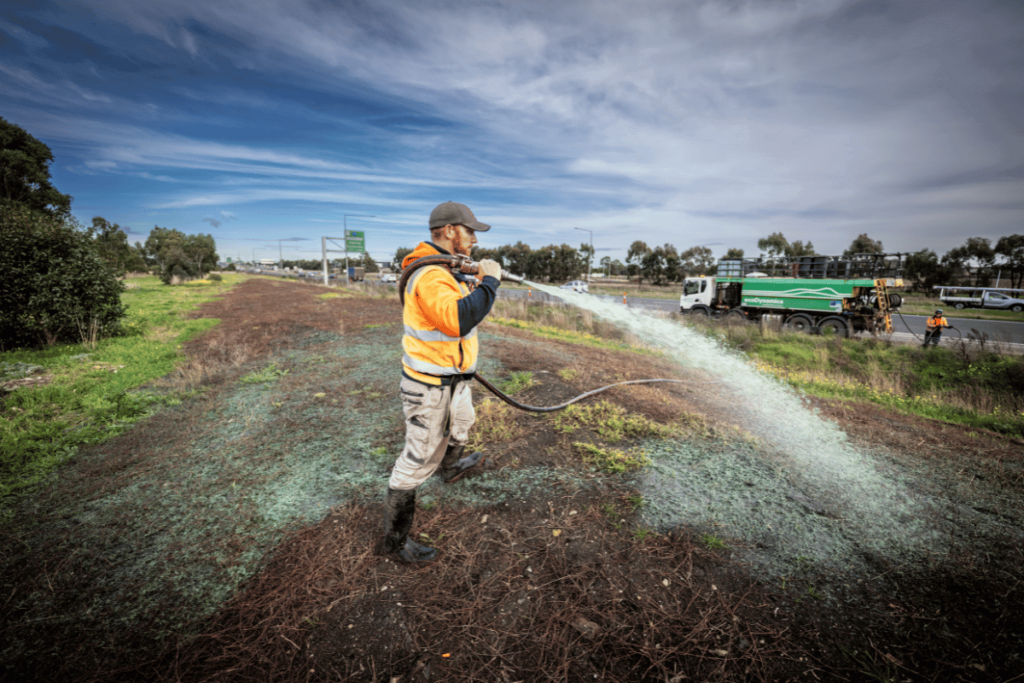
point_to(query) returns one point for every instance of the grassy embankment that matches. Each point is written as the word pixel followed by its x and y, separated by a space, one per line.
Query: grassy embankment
pixel 88 393
pixel 964 384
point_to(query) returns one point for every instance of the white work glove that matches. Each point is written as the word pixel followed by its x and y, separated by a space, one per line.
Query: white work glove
pixel 489 267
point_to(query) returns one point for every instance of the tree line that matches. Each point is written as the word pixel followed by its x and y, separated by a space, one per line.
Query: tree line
pixel 60 282
pixel 976 263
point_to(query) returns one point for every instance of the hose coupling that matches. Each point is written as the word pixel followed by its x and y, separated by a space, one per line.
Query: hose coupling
pixel 470 267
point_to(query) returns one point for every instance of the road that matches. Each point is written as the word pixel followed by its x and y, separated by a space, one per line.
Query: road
pixel 904 327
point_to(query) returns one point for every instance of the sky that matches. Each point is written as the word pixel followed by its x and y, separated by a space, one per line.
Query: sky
pixel 272 123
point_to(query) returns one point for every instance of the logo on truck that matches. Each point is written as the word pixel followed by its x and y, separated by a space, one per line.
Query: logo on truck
pixel 757 301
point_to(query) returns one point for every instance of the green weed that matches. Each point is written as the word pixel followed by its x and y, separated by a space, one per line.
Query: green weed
pixel 712 542
pixel 611 460
pixel 517 381
pixel 568 374
pixel 641 534
pixel 267 374
pixel 610 421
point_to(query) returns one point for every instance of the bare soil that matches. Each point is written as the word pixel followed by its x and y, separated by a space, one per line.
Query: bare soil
pixel 547 569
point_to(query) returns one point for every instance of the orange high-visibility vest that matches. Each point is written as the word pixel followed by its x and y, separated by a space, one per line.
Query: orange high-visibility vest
pixel 432 344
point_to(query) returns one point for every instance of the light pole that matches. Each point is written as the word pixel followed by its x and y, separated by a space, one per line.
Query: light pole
pixel 590 257
pixel 344 220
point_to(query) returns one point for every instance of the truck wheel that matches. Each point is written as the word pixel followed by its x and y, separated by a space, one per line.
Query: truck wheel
pixel 959 306
pixel 834 326
pixel 799 323
pixel 699 311
pixel 735 314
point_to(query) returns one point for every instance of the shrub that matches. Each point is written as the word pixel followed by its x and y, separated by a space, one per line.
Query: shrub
pixel 214 277
pixel 54 287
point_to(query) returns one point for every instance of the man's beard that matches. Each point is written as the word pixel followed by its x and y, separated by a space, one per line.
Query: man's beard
pixel 462 246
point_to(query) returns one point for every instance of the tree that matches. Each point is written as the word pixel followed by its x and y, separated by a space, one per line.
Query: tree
pixel 201 252
pixel 179 255
pixel 606 262
pixel 112 246
pixel 54 285
pixel 652 265
pixel 734 253
pixel 368 264
pixel 587 254
pixel 673 264
pixel 697 260
pixel 863 245
pixel 25 173
pixel 798 248
pixel 1011 248
pixel 924 270
pixel 400 255
pixel 516 257
pixel 774 245
pixel 635 256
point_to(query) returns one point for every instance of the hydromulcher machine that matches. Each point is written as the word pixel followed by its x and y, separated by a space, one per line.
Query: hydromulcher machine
pixel 828 294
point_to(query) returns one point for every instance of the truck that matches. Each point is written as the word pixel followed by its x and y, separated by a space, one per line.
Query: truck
pixel 356 274
pixel 840 295
pixel 982 297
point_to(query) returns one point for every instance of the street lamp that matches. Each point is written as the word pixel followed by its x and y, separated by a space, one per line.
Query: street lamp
pixel 344 220
pixel 590 258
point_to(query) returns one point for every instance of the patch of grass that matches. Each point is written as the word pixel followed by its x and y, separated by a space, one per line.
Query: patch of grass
pixel 641 534
pixel 517 381
pixel 611 460
pixel 568 374
pixel 268 374
pixel 712 542
pixel 495 423
pixel 574 337
pixel 93 393
pixel 610 421
pixel 966 384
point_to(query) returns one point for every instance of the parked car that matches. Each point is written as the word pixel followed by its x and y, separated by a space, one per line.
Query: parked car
pixel 579 286
pixel 388 277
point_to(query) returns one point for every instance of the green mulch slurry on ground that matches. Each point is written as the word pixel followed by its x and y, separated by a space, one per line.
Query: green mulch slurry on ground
pixel 643 536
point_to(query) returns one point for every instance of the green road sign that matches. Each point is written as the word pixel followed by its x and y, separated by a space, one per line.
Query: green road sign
pixel 355 240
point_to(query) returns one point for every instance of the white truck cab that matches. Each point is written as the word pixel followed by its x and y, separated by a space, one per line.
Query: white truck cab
pixel 697 292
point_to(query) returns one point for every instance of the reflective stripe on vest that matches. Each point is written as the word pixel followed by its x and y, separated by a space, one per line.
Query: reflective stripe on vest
pixel 436 335
pixel 431 369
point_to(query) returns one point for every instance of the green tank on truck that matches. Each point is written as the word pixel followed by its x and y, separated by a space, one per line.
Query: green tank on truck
pixel 827 294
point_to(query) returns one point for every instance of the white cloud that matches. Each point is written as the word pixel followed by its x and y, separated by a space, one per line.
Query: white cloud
pixel 812 117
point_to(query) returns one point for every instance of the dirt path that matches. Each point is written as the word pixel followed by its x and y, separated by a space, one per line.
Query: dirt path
pixel 235 537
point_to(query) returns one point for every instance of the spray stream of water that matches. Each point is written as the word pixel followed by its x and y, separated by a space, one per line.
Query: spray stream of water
pixel 804 487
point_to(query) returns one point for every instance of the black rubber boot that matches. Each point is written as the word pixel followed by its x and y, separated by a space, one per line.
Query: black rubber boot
pixel 399 510
pixel 454 465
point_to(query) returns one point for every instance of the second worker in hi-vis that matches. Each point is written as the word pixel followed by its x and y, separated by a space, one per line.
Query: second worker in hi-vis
pixel 442 310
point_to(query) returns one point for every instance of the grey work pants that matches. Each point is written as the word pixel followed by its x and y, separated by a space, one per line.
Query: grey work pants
pixel 429 430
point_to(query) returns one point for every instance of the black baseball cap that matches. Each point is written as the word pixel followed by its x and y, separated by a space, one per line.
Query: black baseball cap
pixel 453 213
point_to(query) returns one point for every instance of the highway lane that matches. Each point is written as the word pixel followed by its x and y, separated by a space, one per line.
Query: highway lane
pixel 905 326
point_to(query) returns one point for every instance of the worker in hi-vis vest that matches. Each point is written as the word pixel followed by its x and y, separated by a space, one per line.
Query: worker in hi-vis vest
pixel 935 325
pixel 442 310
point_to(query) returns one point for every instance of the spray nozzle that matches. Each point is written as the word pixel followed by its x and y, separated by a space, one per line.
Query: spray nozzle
pixel 466 265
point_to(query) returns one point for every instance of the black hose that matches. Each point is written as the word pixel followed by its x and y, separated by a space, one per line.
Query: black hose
pixel 429 260
pixel 907 325
pixel 550 409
